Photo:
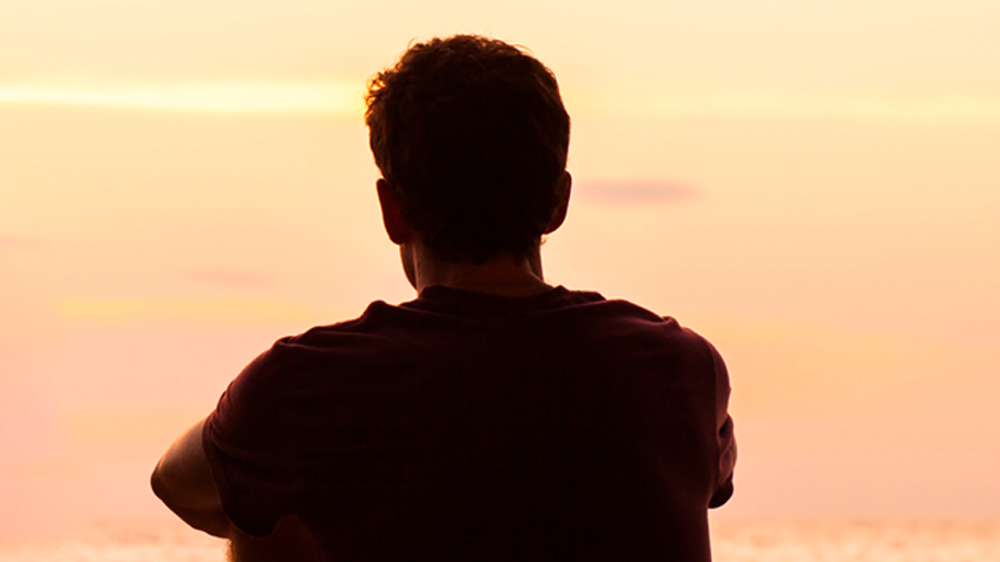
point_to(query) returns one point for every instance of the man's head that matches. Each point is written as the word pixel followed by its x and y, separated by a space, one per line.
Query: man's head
pixel 471 135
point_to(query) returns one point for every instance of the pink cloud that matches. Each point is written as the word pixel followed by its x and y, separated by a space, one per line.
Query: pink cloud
pixel 629 192
pixel 228 278
pixel 13 241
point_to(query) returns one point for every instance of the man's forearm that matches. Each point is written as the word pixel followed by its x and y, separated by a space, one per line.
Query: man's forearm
pixel 213 522
pixel 183 481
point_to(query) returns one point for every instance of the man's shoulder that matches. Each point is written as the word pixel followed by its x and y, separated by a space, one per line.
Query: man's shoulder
pixel 441 314
pixel 642 318
pixel 375 314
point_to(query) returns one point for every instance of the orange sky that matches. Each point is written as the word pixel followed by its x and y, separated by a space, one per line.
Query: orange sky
pixel 810 185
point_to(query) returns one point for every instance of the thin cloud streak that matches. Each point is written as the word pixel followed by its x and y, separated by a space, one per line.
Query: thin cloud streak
pixel 632 192
pixel 10 241
pixel 958 108
pixel 225 310
pixel 228 278
pixel 313 98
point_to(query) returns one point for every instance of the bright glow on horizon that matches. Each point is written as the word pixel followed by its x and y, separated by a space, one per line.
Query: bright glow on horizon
pixel 338 98
pixel 346 99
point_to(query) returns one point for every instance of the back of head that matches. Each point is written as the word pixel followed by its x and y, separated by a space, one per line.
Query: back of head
pixel 472 136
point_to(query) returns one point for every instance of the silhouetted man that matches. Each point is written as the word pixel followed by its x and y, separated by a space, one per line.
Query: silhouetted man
pixel 495 417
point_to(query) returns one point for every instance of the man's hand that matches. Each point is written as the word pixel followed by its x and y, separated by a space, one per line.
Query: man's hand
pixel 183 481
pixel 291 541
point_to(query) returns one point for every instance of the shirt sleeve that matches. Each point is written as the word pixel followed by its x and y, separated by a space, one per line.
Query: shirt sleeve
pixel 725 437
pixel 248 448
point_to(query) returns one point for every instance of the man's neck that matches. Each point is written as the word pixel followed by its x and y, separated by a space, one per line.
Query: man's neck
pixel 506 276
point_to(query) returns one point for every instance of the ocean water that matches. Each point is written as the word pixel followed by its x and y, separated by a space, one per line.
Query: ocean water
pixel 733 541
pixel 856 541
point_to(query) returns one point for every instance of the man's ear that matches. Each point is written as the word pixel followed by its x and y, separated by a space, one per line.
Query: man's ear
pixel 392 216
pixel 562 191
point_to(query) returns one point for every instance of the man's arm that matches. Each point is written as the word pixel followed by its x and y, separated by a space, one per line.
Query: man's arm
pixel 183 481
pixel 725 438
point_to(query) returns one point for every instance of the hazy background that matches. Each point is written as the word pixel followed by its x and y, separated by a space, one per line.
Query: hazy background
pixel 811 185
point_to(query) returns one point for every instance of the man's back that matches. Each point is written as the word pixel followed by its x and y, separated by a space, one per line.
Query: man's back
pixel 559 426
pixel 495 417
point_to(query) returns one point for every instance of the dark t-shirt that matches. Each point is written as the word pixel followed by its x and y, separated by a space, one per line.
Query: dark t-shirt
pixel 467 426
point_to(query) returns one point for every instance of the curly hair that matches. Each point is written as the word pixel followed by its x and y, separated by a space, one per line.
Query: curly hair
pixel 472 135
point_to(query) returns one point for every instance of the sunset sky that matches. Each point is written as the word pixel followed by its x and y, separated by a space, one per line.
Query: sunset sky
pixel 812 185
